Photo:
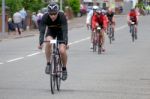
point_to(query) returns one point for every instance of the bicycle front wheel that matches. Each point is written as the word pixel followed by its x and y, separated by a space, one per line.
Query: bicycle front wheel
pixel 53 74
pixel 58 73
pixel 133 32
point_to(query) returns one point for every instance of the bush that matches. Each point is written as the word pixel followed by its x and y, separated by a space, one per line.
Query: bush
pixel 75 5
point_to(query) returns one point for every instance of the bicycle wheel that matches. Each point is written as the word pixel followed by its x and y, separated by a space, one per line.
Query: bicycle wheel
pixel 58 73
pixel 53 74
pixel 132 33
pixel 110 35
pixel 94 42
pixel 99 45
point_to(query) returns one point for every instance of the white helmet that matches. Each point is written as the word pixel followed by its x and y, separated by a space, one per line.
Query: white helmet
pixel 95 7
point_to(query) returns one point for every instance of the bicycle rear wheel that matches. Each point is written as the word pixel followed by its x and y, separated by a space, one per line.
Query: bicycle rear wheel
pixel 110 35
pixel 58 73
pixel 100 45
pixel 132 33
pixel 53 74
pixel 94 42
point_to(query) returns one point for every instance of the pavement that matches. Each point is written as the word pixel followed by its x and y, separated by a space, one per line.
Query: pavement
pixel 73 23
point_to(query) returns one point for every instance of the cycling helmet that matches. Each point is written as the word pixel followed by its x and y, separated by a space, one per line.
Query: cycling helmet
pixel 53 7
pixel 98 11
pixel 95 7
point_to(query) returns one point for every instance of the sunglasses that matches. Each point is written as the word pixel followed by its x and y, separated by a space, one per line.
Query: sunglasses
pixel 51 14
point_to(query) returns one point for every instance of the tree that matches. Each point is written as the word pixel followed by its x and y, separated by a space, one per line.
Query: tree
pixel 33 5
pixel 75 5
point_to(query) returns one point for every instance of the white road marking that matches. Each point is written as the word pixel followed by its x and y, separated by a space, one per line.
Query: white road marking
pixel 75 42
pixel 16 59
pixel 33 54
pixel 119 28
pixel 78 41
pixel 1 63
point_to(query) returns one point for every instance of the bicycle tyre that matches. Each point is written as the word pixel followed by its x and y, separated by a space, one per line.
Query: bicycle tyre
pixel 110 35
pixel 133 33
pixel 53 74
pixel 94 42
pixel 99 45
pixel 58 73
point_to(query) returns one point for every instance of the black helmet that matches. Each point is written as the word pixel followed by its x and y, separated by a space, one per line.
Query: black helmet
pixel 53 7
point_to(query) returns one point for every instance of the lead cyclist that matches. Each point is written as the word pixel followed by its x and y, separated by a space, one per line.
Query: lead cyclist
pixel 57 27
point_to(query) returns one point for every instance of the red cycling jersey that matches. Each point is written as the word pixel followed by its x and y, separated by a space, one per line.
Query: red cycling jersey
pixel 101 19
pixel 132 16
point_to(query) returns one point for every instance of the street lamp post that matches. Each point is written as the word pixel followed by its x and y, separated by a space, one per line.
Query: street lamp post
pixel 3 16
pixel 61 5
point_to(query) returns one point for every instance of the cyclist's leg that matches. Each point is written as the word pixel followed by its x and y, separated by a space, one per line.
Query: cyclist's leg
pixel 63 54
pixel 48 48
pixel 48 54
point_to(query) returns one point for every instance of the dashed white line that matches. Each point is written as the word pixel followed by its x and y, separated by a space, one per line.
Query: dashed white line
pixel 12 60
pixel 79 41
pixel 1 63
pixel 119 28
pixel 33 54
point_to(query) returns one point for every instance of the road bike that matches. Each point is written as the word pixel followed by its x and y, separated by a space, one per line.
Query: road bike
pixel 133 31
pixel 110 32
pixel 56 66
pixel 97 40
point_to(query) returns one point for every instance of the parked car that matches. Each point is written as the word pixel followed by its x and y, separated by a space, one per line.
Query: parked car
pixel 82 10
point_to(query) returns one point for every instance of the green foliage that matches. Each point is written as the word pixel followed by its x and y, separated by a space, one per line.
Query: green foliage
pixel 75 5
pixel 140 5
pixel 32 5
pixel 15 5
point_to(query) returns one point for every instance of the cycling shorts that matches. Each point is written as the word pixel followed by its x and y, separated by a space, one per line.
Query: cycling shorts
pixel 56 34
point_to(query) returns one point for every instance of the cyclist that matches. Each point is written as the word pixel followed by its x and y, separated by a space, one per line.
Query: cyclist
pixel 57 26
pixel 111 19
pixel 132 17
pixel 99 19
pixel 89 21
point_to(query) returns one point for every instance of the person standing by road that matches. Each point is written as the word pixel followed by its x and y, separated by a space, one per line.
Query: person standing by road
pixel 17 18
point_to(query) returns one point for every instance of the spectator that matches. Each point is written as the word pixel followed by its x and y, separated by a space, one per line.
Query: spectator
pixel 23 15
pixel 10 25
pixel 34 20
pixel 39 18
pixel 17 22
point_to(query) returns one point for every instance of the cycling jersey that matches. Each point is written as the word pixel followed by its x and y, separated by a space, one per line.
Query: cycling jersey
pixel 133 16
pixel 100 19
pixel 57 28
pixel 110 16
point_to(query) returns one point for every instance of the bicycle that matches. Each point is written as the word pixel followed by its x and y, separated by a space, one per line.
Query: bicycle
pixel 56 66
pixel 97 40
pixel 110 32
pixel 133 31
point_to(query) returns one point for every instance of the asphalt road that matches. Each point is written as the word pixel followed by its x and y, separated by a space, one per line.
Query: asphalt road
pixel 122 72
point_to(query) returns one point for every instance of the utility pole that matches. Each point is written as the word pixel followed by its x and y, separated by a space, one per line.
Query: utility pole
pixel 3 16
pixel 61 5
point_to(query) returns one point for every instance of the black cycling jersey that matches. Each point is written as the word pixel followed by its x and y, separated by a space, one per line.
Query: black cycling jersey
pixel 110 16
pixel 60 25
